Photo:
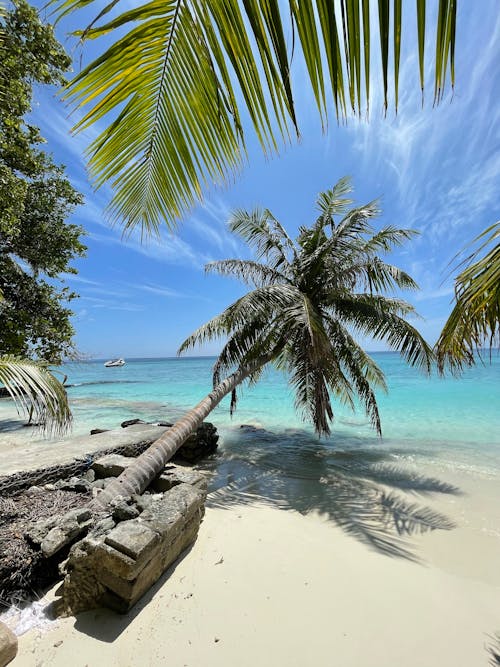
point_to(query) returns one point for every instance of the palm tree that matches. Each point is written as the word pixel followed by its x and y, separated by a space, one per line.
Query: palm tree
pixel 184 80
pixel 475 318
pixel 310 298
pixel 36 392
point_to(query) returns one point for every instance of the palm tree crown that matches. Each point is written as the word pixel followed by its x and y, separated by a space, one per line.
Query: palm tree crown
pixel 310 299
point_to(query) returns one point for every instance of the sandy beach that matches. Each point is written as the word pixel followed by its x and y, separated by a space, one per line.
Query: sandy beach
pixel 271 587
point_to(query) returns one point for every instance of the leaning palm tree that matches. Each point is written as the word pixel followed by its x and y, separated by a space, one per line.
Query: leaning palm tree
pixel 36 393
pixel 185 82
pixel 310 298
pixel 475 318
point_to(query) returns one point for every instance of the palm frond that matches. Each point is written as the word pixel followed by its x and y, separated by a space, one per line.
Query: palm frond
pixel 475 318
pixel 179 77
pixel 260 229
pixel 380 318
pixel 333 202
pixel 249 272
pixel 379 276
pixel 36 392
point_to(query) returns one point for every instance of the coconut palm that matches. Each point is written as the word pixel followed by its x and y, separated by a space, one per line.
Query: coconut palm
pixel 310 299
pixel 183 82
pixel 36 392
pixel 475 318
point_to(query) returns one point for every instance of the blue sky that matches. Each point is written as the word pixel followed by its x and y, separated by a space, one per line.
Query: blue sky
pixel 435 169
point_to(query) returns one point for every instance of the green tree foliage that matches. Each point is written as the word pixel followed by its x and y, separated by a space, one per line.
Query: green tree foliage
pixel 182 85
pixel 36 242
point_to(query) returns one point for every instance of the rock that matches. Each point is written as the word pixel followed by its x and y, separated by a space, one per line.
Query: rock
pixel 89 475
pixel 54 541
pixel 40 529
pixel 122 511
pixel 167 424
pixel 199 445
pixel 103 526
pixel 95 431
pixel 8 645
pixel 55 533
pixel 76 484
pixel 111 465
pixel 132 538
pixel 33 490
pixel 131 422
pixel 174 475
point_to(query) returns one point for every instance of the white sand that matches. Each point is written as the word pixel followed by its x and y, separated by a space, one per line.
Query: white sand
pixel 267 587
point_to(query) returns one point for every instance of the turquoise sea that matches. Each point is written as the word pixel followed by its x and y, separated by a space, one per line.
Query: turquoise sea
pixel 435 432
pixel 452 421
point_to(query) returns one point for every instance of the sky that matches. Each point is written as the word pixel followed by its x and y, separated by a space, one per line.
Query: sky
pixel 435 169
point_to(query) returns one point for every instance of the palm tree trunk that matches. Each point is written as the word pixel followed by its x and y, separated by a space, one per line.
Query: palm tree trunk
pixel 138 476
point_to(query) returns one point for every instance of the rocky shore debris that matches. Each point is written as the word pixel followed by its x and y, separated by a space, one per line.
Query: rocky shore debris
pixel 46 529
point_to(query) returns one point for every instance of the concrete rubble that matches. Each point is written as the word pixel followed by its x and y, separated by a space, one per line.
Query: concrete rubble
pixel 117 556
pixel 112 558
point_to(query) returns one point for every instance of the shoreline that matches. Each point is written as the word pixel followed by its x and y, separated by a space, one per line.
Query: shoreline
pixel 272 587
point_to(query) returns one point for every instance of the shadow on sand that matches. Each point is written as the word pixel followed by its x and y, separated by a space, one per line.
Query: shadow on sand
pixel 361 489
pixel 494 650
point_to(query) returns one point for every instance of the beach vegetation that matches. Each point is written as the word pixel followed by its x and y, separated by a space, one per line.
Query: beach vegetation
pixel 36 242
pixel 474 321
pixel 311 300
pixel 36 392
pixel 184 88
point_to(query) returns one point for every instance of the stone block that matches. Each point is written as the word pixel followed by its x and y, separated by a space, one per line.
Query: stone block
pixel 132 538
pixel 173 510
pixel 8 645
pixel 174 475
pixel 129 592
pixel 116 569
pixel 111 465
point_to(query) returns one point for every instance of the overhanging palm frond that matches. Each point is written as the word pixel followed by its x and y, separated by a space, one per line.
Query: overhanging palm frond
pixel 180 77
pixel 475 318
pixel 36 392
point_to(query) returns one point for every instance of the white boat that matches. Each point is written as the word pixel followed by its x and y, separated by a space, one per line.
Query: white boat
pixel 114 362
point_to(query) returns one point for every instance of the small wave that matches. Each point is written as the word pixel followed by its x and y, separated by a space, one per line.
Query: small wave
pixel 97 382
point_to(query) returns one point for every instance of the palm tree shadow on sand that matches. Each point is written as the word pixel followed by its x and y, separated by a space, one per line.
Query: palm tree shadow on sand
pixel 358 488
pixel 494 650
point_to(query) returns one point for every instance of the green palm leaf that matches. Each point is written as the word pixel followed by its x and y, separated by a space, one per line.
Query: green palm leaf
pixel 36 392
pixel 475 318
pixel 180 77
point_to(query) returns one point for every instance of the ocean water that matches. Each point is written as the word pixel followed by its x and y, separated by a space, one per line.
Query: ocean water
pixel 452 420
pixel 433 428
